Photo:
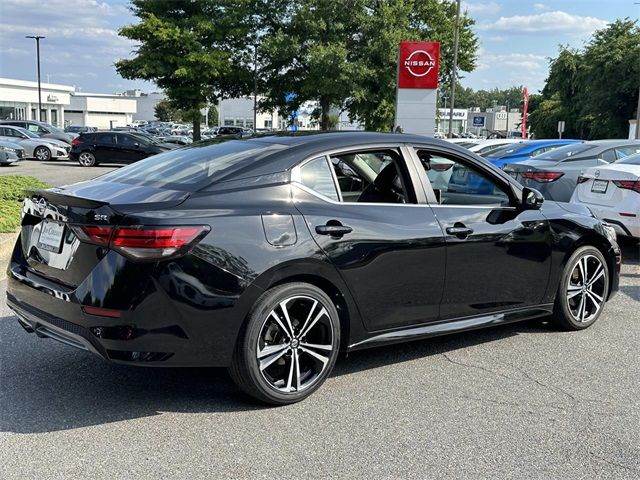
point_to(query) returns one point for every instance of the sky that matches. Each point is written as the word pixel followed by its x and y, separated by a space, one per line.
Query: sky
pixel 517 38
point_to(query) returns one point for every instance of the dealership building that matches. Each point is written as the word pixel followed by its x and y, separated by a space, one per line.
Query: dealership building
pixel 62 105
pixel 19 101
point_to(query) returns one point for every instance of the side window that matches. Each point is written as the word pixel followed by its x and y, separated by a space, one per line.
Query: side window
pixel 609 155
pixel 316 175
pixel 125 140
pixel 33 128
pixel 41 130
pixel 105 138
pixel 372 177
pixel 456 183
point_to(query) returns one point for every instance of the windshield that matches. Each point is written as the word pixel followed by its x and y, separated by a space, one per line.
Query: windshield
pixel 28 133
pixel 490 149
pixel 630 160
pixel 192 168
pixel 145 138
pixel 566 151
pixel 508 149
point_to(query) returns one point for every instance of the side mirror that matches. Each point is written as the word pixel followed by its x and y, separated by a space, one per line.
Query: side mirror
pixel 532 199
pixel 137 145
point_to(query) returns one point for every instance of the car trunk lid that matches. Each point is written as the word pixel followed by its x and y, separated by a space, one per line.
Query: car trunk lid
pixel 50 246
pixel 597 187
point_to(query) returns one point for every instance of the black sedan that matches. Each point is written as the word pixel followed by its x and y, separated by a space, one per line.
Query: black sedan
pixel 271 255
pixel 91 149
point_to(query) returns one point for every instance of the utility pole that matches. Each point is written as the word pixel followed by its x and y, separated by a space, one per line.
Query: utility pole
pixel 638 118
pixel 454 70
pixel 507 128
pixel 37 39
pixel 255 87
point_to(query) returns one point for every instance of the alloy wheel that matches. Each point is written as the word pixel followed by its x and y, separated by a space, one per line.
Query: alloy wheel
pixel 586 289
pixel 295 344
pixel 42 153
pixel 86 159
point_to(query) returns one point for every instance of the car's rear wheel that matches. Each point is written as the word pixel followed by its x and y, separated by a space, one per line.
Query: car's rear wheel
pixel 289 344
pixel 87 159
pixel 42 153
pixel 583 289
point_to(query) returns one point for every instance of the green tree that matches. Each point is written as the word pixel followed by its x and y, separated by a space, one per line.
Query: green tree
pixel 594 90
pixel 165 111
pixel 310 53
pixel 196 51
pixel 385 25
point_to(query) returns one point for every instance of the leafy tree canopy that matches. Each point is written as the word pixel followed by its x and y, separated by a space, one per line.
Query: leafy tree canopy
pixel 594 89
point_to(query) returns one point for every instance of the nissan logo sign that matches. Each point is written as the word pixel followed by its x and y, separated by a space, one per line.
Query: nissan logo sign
pixel 419 63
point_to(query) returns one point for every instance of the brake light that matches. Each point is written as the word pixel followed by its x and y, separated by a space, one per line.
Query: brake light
pixel 93 234
pixel 76 141
pixel 441 167
pixel 628 184
pixel 582 179
pixel 542 176
pixel 142 243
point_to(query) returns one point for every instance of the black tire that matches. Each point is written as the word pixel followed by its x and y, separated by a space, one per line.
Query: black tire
pixel 567 312
pixel 42 153
pixel 265 383
pixel 87 159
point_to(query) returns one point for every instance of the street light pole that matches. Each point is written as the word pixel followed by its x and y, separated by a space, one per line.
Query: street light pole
pixel 255 87
pixel 37 39
pixel 454 72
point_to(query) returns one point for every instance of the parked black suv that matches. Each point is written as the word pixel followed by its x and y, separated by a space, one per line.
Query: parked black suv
pixel 90 149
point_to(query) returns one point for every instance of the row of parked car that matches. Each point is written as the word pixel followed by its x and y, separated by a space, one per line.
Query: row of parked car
pixel 602 174
pixel 31 139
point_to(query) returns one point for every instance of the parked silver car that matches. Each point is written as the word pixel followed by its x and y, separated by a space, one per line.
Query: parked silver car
pixel 42 129
pixel 34 146
pixel 555 173
pixel 10 152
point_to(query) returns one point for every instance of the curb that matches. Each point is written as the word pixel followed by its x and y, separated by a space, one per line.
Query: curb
pixel 7 241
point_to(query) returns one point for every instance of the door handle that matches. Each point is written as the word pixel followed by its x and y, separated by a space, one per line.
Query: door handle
pixel 335 230
pixel 459 231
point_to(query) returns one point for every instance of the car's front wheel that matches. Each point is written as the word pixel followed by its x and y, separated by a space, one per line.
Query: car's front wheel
pixel 87 159
pixel 42 153
pixel 289 344
pixel 583 289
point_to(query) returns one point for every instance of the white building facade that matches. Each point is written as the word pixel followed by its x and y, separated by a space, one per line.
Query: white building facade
pixel 19 101
pixel 99 110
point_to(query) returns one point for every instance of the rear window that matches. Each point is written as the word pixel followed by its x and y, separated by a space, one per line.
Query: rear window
pixel 192 168
pixel 630 160
pixel 567 151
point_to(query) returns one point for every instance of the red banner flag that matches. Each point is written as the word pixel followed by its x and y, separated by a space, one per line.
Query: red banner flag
pixel 525 98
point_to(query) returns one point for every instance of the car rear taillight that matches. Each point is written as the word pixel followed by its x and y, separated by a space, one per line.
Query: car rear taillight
pixel 628 184
pixel 542 176
pixel 76 141
pixel 441 167
pixel 143 243
pixel 582 179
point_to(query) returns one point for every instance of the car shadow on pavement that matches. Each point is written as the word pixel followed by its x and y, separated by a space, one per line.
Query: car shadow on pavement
pixel 45 386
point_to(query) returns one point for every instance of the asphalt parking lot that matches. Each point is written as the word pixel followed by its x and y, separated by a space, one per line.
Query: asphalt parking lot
pixel 517 401
pixel 60 172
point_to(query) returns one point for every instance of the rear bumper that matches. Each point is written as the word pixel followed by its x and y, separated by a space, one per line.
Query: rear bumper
pixel 155 330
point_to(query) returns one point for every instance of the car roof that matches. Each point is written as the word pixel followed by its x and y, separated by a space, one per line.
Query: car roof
pixel 300 145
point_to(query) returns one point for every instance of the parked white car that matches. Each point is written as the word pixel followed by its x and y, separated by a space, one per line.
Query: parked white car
pixel 40 148
pixel 612 193
pixel 486 147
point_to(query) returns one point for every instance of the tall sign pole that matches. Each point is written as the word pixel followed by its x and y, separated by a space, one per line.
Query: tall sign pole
pixel 525 109
pixel 454 70
pixel 37 39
